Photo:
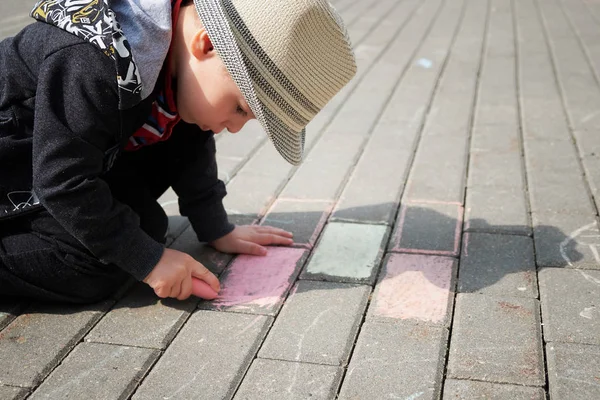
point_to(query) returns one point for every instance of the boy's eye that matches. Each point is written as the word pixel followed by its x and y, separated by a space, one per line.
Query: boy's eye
pixel 241 111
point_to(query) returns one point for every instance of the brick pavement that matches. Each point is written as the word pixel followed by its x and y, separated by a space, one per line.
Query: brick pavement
pixel 446 219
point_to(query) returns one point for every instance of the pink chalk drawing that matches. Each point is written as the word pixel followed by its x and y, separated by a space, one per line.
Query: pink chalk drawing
pixel 415 287
pixel 255 281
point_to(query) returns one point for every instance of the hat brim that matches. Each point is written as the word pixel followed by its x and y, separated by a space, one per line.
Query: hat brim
pixel 288 142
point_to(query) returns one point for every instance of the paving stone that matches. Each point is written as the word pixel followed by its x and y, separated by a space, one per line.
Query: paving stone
pixel 242 144
pixel 228 167
pixel 396 361
pixel 573 371
pixel 501 265
pixel 257 284
pixel 347 253
pixel 470 390
pixel 578 319
pixel 273 379
pixel 387 155
pixel 497 98
pixel 438 172
pixel 415 287
pixel 578 84
pixel 496 339
pixel 497 210
pixel 169 202
pixel 9 309
pixel 36 341
pixel 496 168
pixel 429 228
pixel 97 371
pixel 142 319
pixel 13 393
pixel 305 219
pixel 589 148
pixel 303 329
pixel 565 240
pixel 177 225
pixel 381 168
pixel 208 358
pixel 212 259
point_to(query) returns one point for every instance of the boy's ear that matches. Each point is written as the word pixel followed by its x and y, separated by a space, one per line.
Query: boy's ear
pixel 200 45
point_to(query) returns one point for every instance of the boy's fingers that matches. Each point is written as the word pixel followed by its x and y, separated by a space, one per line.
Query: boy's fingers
pixel 175 290
pixel 254 249
pixel 201 272
pixel 186 289
pixel 275 231
pixel 266 239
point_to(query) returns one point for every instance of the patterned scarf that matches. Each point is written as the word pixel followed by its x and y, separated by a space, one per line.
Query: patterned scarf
pixel 163 116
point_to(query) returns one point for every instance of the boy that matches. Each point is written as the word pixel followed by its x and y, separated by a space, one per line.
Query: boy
pixel 105 104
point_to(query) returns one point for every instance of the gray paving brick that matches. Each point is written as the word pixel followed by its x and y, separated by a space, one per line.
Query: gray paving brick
pixel 35 342
pixel 305 219
pixel 578 84
pixel 566 240
pixel 9 309
pixel 396 361
pixel 273 379
pixel 497 96
pixel 97 371
pixel 578 319
pixel 228 167
pixel 500 32
pixel 440 162
pixel 212 259
pixel 250 192
pixel 573 371
pixel 470 390
pixel 555 179
pixel 384 164
pixel 142 319
pixel 258 284
pixel 302 331
pixel 428 228
pixel 496 168
pixel 177 225
pixel 243 144
pixel 438 172
pixel 500 265
pixel 416 288
pixel 496 339
pixel 372 17
pixel 169 202
pixel 493 209
pixel 208 357
pixel 13 393
pixel 347 253
pixel 589 148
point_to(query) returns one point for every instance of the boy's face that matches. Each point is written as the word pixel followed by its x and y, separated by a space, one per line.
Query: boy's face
pixel 206 94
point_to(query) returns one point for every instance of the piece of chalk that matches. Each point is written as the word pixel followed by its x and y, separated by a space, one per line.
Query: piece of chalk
pixel 203 289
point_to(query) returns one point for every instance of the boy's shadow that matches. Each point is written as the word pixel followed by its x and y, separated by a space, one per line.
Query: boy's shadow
pixel 488 253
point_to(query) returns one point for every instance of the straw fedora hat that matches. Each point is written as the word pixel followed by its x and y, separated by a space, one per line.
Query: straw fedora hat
pixel 288 57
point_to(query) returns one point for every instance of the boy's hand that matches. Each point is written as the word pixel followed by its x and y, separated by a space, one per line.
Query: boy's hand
pixel 172 276
pixel 250 239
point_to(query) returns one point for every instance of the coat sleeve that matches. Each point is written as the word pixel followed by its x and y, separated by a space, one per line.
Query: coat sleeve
pixel 76 121
pixel 198 187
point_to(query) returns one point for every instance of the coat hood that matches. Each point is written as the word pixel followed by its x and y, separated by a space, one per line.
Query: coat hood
pixel 136 34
